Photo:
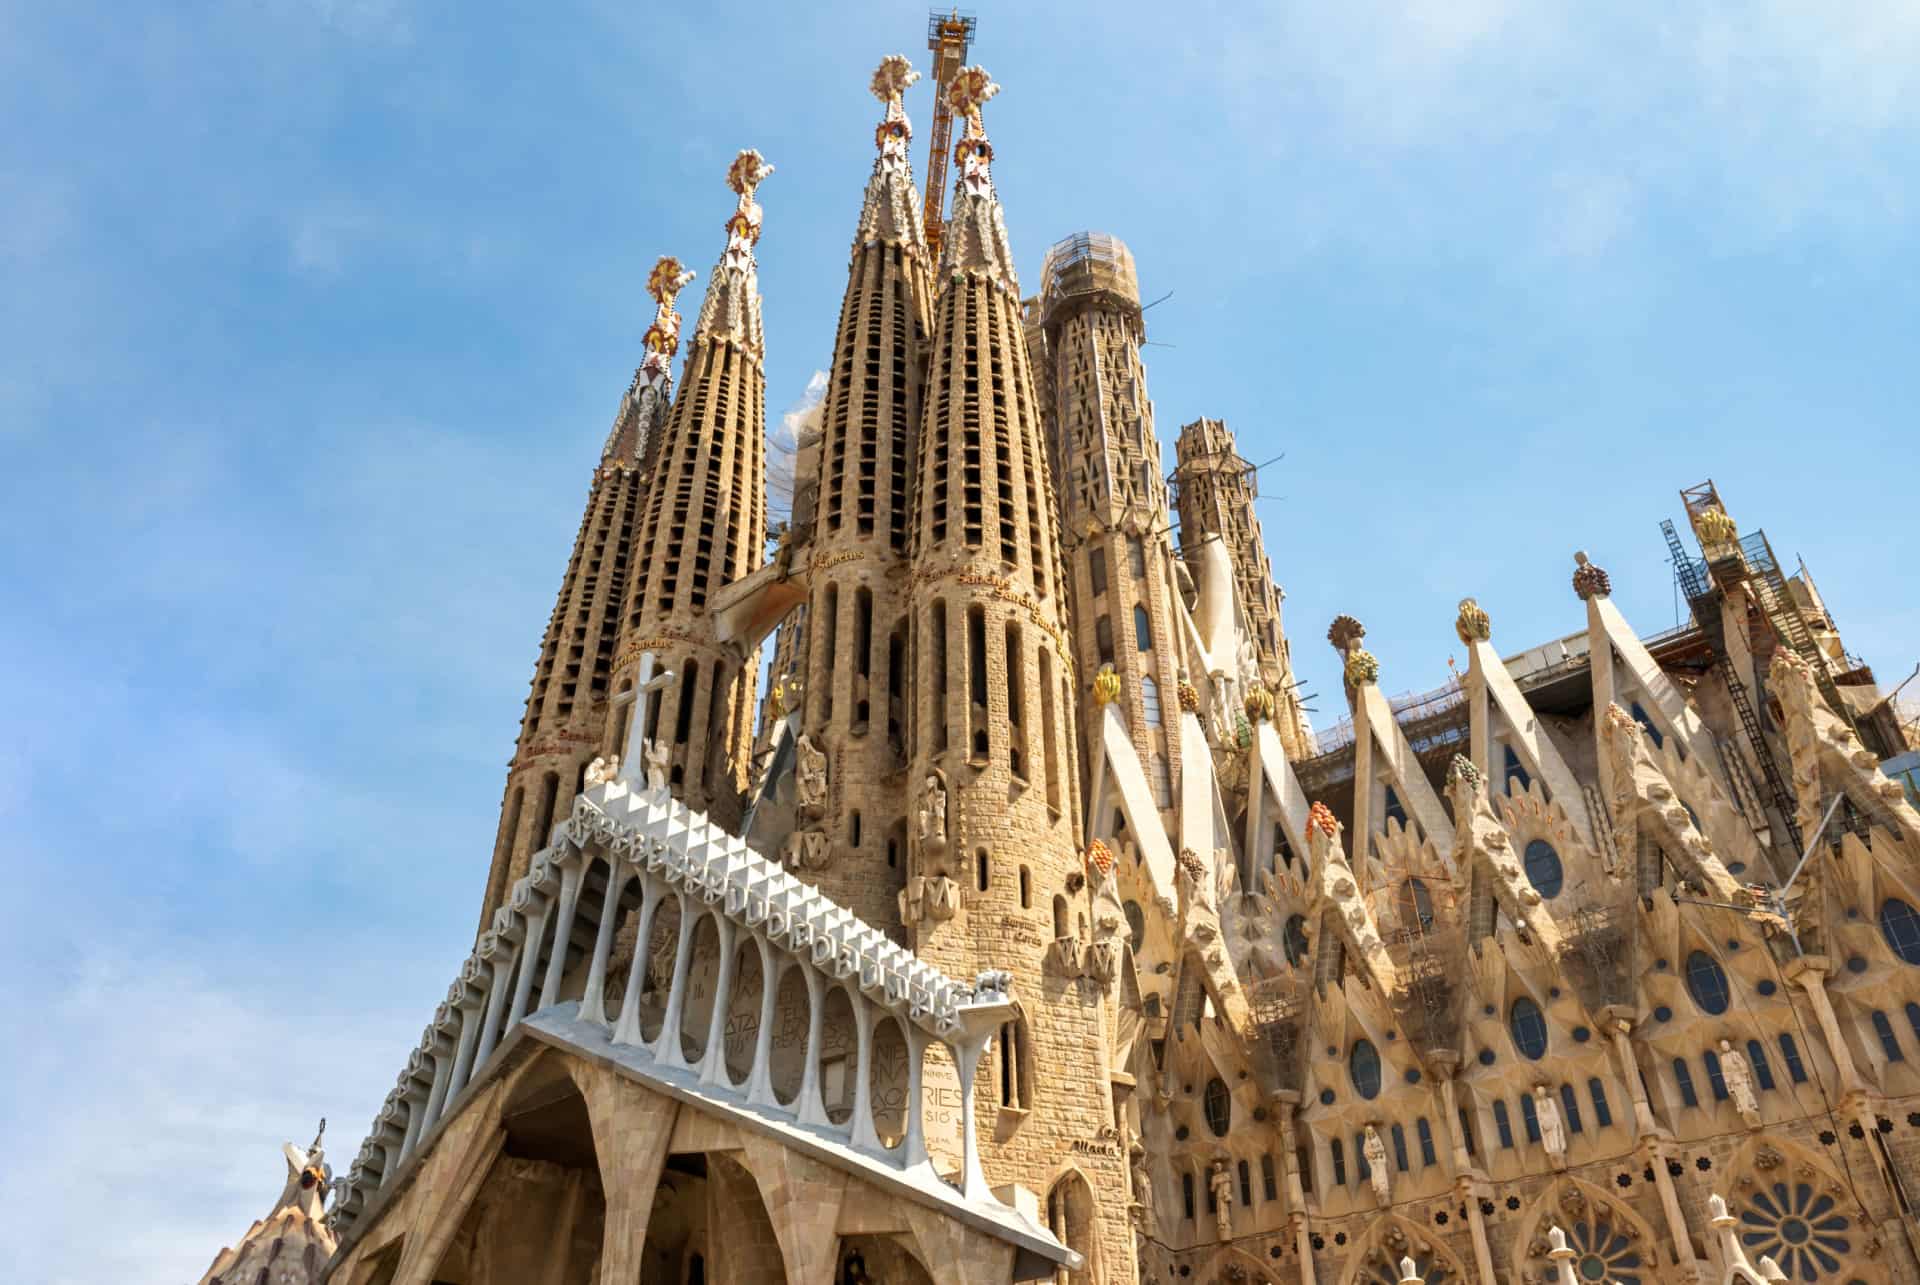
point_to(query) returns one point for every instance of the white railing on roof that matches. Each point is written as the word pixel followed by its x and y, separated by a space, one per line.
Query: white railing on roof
pixel 679 859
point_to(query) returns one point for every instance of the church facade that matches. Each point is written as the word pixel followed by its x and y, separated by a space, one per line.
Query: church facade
pixel 1039 934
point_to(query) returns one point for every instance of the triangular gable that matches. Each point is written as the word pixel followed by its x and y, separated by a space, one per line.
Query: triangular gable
pixel 1274 797
pixel 1381 748
pixel 1537 752
pixel 1203 818
pixel 1637 678
pixel 1120 783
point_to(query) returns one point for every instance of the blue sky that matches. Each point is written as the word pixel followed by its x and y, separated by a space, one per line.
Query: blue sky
pixel 316 313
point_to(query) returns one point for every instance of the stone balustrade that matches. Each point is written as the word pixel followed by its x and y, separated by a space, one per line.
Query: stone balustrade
pixel 753 945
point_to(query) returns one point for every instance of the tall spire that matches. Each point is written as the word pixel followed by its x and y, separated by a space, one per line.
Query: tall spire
pixel 651 393
pixel 975 240
pixel 730 313
pixel 891 212
pixel 705 526
pixel 1113 502
pixel 572 714
pixel 996 879
pixel 851 837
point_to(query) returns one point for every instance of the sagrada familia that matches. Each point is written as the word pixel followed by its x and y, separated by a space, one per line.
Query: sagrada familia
pixel 1026 929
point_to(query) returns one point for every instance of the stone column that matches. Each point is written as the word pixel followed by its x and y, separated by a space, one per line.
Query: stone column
pixel 760 1082
pixel 570 878
pixel 666 1049
pixel 469 1010
pixel 1810 972
pixel 1670 1204
pixel 1303 1247
pixel 966 1060
pixel 593 1002
pixel 1619 1021
pixel 442 1078
pixel 713 1058
pixel 627 1029
pixel 496 1001
pixel 862 1134
pixel 1467 1190
pixel 535 933
pixel 809 1109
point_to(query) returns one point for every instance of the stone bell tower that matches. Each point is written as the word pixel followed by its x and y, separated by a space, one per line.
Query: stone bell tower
pixel 705 526
pixel 1216 492
pixel 852 759
pixel 1113 500
pixel 568 709
pixel 995 874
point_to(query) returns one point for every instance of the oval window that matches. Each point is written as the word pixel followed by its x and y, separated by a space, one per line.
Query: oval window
pixel 1294 938
pixel 1707 983
pixel 1544 871
pixel 1136 924
pixel 1529 1027
pixel 1219 1104
pixel 1363 1065
pixel 1900 925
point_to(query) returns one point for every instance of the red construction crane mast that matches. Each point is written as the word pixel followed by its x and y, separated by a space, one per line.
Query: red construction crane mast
pixel 948 35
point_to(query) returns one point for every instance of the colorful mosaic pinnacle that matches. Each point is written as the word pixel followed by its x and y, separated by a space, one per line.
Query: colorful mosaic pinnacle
pixel 1106 686
pixel 1259 704
pixel 1345 633
pixel 1589 581
pixel 664 283
pixel 1473 624
pixel 1463 772
pixel 971 89
pixel 748 171
pixel 1361 667
pixel 1715 526
pixel 891 79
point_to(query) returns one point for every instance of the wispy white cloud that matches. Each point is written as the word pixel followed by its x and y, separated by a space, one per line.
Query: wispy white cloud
pixel 388 21
pixel 148 1098
pixel 320 242
pixel 1574 125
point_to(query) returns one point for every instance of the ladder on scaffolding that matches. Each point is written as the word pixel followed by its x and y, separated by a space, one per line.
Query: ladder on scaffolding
pixel 1692 575
pixel 1770 587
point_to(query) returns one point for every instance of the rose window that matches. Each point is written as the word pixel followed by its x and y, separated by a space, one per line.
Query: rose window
pixel 1799 1229
pixel 1603 1253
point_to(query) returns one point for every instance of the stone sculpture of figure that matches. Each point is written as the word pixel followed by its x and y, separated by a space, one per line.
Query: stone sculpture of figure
pixel 603 769
pixel 1377 1173
pixel 1552 1135
pixel 1220 1185
pixel 655 755
pixel 810 776
pixel 933 811
pixel 1739 1077
pixel 1142 1188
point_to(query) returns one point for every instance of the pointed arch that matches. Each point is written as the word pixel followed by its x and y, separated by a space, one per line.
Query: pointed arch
pixel 1073 1216
pixel 1375 1260
pixel 1220 1269
pixel 1598 1227
pixel 1770 1182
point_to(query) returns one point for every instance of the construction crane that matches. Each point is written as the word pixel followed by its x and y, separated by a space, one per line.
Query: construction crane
pixel 948 35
